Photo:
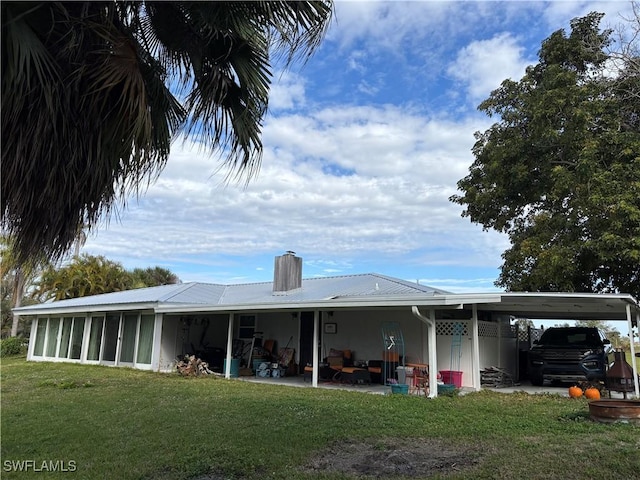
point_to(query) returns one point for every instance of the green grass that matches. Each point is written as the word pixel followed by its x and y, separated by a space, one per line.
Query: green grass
pixel 127 424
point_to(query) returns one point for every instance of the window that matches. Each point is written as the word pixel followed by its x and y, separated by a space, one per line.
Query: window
pixel 145 339
pixel 128 346
pixel 52 337
pixel 129 337
pixel 41 331
pixel 76 337
pixel 111 328
pixel 95 338
pixel 65 338
pixel 246 326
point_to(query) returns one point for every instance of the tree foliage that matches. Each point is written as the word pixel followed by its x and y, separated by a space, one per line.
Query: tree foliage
pixel 91 275
pixel 560 170
pixel 15 278
pixel 93 93
pixel 84 275
pixel 153 276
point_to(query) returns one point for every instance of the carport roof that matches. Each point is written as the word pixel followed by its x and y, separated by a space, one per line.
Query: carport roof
pixel 365 291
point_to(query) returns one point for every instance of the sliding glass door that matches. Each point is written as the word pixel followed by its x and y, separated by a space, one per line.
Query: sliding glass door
pixel 111 329
pixel 65 338
pixel 128 347
pixel 95 339
pixel 114 338
pixel 145 339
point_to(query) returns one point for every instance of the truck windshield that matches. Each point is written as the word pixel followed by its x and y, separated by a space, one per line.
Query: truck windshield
pixel 567 336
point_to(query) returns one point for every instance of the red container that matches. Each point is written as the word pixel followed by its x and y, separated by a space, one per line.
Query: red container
pixel 452 377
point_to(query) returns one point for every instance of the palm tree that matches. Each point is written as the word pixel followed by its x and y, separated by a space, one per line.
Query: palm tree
pixel 93 93
pixel 82 276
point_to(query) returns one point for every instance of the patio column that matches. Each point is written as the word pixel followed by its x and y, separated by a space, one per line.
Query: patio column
pixel 633 348
pixel 32 337
pixel 227 370
pixel 157 342
pixel 316 340
pixel 433 354
pixel 475 349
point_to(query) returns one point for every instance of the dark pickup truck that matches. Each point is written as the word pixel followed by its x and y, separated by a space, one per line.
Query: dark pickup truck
pixel 569 354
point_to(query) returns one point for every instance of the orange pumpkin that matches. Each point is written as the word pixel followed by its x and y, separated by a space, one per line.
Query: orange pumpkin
pixel 575 392
pixel 592 393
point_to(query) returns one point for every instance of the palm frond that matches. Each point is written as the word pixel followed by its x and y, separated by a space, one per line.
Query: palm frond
pixel 93 94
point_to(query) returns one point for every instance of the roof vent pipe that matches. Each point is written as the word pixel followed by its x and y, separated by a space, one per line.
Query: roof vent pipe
pixel 287 273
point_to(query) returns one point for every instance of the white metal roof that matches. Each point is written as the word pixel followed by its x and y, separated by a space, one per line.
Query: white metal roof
pixel 365 291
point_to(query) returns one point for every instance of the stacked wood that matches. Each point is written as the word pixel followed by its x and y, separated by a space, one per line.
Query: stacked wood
pixel 496 377
pixel 192 366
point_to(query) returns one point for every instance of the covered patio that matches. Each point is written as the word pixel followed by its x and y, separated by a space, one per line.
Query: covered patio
pixel 431 313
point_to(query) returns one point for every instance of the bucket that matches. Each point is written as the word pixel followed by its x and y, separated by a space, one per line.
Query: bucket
pixel 400 389
pixel 401 373
pixel 235 367
pixel 452 377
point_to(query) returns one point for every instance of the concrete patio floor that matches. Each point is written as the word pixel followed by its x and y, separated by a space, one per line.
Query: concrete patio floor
pixel 298 381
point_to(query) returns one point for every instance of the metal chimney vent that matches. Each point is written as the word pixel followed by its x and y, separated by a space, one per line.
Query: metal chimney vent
pixel 287 273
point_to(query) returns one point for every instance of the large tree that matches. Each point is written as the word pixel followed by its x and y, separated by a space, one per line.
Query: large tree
pixel 559 172
pixel 91 275
pixel 93 93
pixel 15 279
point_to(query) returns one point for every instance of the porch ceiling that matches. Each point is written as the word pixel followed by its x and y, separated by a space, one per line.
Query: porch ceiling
pixel 565 306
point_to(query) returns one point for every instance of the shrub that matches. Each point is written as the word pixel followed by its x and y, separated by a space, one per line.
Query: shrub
pixel 13 346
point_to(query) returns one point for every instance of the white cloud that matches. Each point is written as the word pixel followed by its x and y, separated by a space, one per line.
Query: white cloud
pixel 387 193
pixel 287 92
pixel 482 65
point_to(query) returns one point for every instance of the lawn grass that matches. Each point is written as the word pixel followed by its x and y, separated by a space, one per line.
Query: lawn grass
pixel 128 424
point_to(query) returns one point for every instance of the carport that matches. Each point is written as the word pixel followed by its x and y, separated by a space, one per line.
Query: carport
pixel 567 306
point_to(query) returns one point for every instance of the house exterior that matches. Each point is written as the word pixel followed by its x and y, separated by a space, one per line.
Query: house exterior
pixel 149 328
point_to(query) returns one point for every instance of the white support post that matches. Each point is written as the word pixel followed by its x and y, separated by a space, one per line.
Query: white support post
pixel 633 349
pixel 85 338
pixel 32 338
pixel 433 354
pixel 316 339
pixel 475 349
pixel 227 370
pixel 157 342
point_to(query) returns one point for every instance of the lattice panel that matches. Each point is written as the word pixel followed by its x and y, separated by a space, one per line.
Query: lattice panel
pixel 488 329
pixel 449 327
pixel 523 334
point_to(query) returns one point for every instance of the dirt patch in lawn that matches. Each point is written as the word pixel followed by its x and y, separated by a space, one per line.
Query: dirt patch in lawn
pixel 394 457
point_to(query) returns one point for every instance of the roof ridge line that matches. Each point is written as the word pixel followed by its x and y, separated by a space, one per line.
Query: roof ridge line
pixel 186 286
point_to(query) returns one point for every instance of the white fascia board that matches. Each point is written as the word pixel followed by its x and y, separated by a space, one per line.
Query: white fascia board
pixel 51 309
pixel 599 298
pixel 343 303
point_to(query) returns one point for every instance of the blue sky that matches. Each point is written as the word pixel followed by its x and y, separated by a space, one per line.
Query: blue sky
pixel 363 144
